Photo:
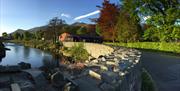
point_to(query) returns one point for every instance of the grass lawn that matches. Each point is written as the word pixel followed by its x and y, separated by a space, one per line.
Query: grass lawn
pixel 159 46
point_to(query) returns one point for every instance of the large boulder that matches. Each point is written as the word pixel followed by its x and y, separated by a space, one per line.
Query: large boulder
pixel 58 79
pixel 24 65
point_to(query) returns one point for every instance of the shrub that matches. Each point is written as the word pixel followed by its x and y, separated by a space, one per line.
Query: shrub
pixel 147 82
pixel 79 54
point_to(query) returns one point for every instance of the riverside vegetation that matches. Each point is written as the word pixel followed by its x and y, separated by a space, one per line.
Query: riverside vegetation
pixel 40 44
pixel 77 52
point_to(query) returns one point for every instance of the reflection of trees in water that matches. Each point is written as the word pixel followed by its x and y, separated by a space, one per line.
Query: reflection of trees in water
pixel 16 48
pixel 26 52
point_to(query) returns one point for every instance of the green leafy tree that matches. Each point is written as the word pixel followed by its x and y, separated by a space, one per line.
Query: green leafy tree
pixel 176 33
pixel 98 31
pixel 39 35
pixel 4 34
pixel 71 29
pixel 128 28
pixel 16 35
pixel 151 34
pixel 162 15
pixel 27 35
pixel 81 31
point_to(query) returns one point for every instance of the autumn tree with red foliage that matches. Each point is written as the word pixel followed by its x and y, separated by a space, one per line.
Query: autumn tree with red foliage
pixel 107 20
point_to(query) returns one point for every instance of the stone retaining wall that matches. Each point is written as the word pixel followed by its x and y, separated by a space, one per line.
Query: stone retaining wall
pixel 130 76
pixel 111 69
pixel 132 80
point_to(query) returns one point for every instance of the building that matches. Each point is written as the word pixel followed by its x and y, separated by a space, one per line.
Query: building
pixel 80 38
pixel 65 37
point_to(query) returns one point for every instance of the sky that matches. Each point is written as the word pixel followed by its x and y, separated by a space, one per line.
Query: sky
pixel 26 14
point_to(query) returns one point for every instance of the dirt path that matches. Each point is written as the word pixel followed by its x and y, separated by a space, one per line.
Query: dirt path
pixel 165 70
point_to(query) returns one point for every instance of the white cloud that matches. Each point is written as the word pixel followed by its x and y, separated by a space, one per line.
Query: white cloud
pixel 66 15
pixel 87 15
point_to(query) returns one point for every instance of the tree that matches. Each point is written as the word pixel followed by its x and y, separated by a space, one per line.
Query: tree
pixel 16 35
pixel 53 25
pixel 70 29
pixel 107 20
pixel 128 28
pixel 98 31
pixel 4 34
pixel 163 14
pixel 151 34
pixel 39 34
pixel 81 31
pixel 27 35
pixel 91 30
pixel 176 33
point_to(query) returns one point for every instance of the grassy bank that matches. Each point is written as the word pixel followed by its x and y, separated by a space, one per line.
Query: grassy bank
pixel 159 46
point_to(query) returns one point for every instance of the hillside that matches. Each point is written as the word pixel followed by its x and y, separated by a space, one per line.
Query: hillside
pixel 42 28
pixel 20 31
pixel 73 28
pixel 79 24
pixel 32 30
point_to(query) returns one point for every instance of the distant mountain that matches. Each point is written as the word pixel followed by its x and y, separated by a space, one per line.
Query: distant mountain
pixel 32 30
pixel 21 31
pixel 79 24
pixel 42 28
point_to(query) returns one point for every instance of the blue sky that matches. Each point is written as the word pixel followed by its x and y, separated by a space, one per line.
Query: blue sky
pixel 26 14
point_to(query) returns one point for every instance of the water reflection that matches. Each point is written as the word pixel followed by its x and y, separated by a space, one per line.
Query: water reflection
pixel 49 64
pixel 35 57
pixel 26 52
pixel 16 49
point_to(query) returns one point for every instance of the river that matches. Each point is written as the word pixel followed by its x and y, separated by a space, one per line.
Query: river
pixel 19 53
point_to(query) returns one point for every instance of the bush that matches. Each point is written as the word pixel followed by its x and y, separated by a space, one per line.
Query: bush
pixel 147 82
pixel 79 54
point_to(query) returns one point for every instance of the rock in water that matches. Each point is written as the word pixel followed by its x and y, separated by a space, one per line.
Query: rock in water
pixel 24 65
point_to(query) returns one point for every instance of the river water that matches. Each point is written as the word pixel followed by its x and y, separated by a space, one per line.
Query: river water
pixel 19 53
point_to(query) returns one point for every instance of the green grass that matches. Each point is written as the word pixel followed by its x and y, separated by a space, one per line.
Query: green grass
pixel 159 46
